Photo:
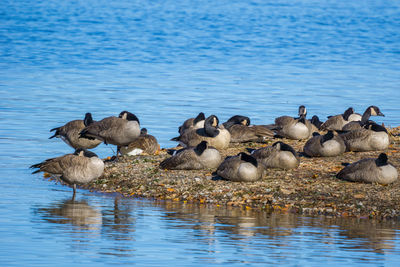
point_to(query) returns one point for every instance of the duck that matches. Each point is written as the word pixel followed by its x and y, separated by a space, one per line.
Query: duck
pixel 370 170
pixel 81 167
pixel 192 123
pixel 241 131
pixel 336 123
pixel 294 128
pixel 370 111
pixel 240 168
pixel 119 131
pixel 200 157
pixel 279 155
pixel 216 135
pixel 145 143
pixel 327 145
pixel 69 133
pixel 371 137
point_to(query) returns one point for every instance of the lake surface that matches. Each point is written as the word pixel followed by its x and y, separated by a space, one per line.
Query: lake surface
pixel 166 61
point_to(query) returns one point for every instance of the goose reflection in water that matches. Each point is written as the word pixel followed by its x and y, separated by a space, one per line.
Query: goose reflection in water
pixel 368 235
pixel 73 212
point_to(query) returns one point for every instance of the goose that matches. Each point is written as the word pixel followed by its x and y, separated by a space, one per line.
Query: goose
pixel 216 135
pixel 370 111
pixel 294 128
pixel 200 157
pixel 336 123
pixel 241 131
pixel 119 131
pixel 371 137
pixel 279 155
pixel 69 133
pixel 240 168
pixel 81 167
pixel 370 170
pixel 192 123
pixel 327 145
pixel 145 143
pixel 315 124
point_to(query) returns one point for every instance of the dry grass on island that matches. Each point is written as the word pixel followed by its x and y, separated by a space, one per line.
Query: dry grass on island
pixel 312 188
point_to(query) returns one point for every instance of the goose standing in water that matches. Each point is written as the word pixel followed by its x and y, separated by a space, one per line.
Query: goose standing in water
pixel 279 155
pixel 371 137
pixel 145 143
pixel 69 133
pixel 119 131
pixel 200 157
pixel 240 168
pixel 216 135
pixel 327 145
pixel 294 128
pixel 82 167
pixel 241 131
pixel 370 170
pixel 192 123
pixel 370 111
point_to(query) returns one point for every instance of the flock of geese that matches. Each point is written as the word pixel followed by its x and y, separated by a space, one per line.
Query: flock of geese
pixel 203 138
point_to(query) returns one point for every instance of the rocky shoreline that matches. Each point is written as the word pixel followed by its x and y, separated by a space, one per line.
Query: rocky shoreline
pixel 310 189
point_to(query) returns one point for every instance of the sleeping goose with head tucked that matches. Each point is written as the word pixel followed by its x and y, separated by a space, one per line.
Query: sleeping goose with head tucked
pixel 69 133
pixel 216 135
pixel 279 155
pixel 370 137
pixel 241 131
pixel 200 157
pixel 336 123
pixel 240 168
pixel 327 145
pixel 370 170
pixel 119 131
pixel 192 123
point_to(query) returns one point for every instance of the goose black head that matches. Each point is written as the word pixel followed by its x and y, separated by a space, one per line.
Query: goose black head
pixel 284 147
pixel 210 126
pixel 326 137
pixel 84 153
pixel 237 119
pixel 347 113
pixel 375 111
pixel 315 120
pixel 248 158
pixel 128 116
pixel 199 149
pixel 381 160
pixel 143 131
pixel 199 117
pixel 370 125
pixel 88 119
pixel 302 111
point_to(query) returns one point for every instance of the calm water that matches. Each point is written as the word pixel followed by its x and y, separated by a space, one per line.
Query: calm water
pixel 166 61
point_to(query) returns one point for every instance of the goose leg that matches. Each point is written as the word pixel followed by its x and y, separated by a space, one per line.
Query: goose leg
pixel 73 196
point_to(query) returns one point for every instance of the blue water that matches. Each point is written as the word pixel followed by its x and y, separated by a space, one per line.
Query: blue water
pixel 166 61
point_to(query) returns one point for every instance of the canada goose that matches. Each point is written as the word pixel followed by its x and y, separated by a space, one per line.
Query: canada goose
pixel 294 128
pixel 144 143
pixel 240 168
pixel 336 123
pixel 202 156
pixel 82 167
pixel 327 145
pixel 315 124
pixel 370 170
pixel 119 131
pixel 192 123
pixel 370 137
pixel 69 133
pixel 279 155
pixel 241 131
pixel 370 111
pixel 216 135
